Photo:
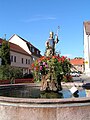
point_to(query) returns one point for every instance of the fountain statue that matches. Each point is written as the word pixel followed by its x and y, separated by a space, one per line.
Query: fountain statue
pixel 50 45
pixel 48 80
pixel 51 67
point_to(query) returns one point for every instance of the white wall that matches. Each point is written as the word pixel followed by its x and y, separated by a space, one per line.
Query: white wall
pixel 18 41
pixel 87 52
pixel 19 63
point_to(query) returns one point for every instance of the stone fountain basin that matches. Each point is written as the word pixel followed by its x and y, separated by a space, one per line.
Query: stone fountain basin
pixel 44 109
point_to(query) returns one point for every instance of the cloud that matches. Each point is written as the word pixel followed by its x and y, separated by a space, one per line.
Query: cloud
pixel 39 18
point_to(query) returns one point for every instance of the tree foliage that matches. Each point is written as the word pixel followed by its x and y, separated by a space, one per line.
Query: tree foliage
pixel 5 53
pixel 6 70
pixel 10 73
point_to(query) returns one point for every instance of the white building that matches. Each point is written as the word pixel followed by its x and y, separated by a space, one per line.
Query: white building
pixel 22 53
pixel 27 46
pixel 87 47
pixel 20 58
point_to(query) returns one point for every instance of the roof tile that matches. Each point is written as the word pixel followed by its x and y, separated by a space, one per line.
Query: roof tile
pixel 16 48
pixel 77 61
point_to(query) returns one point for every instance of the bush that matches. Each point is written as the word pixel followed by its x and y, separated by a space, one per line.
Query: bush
pixel 9 72
pixel 51 66
pixel 67 78
pixel 28 75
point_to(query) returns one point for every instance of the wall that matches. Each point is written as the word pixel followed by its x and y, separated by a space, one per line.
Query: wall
pixel 19 63
pixel 46 109
pixel 86 52
pixel 19 57
pixel 28 80
pixel 18 41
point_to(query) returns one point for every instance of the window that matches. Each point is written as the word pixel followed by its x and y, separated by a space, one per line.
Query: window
pixel 14 58
pixel 22 60
pixel 29 61
pixel 29 46
pixel 37 52
pixel 32 49
pixel 29 71
pixel 11 58
pixel 26 61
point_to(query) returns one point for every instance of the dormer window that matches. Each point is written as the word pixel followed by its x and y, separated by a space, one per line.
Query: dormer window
pixel 32 49
pixel 29 46
pixel 37 52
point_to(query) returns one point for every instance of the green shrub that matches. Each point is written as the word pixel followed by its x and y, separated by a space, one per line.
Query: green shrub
pixel 67 78
pixel 9 72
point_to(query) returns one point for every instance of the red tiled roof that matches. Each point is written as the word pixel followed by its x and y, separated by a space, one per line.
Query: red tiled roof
pixel 16 48
pixel 87 27
pixel 77 61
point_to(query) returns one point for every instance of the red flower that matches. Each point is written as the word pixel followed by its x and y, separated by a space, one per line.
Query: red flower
pixel 32 65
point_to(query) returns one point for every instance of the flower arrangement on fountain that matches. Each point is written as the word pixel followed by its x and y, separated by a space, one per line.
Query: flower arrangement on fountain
pixel 51 69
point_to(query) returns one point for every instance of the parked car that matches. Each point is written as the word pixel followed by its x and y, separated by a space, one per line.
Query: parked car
pixel 75 74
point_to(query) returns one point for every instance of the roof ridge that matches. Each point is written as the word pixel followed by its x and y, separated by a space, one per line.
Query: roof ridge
pixel 24 40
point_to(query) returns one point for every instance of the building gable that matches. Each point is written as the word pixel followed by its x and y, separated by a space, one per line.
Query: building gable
pixel 16 48
pixel 87 27
pixel 18 41
pixel 27 46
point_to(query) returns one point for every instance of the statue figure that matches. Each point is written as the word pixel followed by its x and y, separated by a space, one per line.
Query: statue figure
pixel 50 45
pixel 51 82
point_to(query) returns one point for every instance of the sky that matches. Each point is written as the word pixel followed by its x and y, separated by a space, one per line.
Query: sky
pixel 34 19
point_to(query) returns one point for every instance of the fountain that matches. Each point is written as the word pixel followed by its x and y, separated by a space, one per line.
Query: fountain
pixel 51 103
pixel 51 67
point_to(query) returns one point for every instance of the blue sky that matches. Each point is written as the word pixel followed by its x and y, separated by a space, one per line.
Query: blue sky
pixel 34 19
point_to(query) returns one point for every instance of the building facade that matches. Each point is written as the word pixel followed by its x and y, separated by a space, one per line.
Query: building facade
pixel 87 47
pixel 20 58
pixel 77 64
pixel 27 46
pixel 22 53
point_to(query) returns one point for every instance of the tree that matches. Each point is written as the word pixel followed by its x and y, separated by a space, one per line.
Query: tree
pixel 7 71
pixel 5 53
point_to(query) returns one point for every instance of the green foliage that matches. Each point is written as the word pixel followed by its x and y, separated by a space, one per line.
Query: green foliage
pixel 53 66
pixel 5 53
pixel 66 66
pixel 10 73
pixel 67 78
pixel 26 75
pixel 78 58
